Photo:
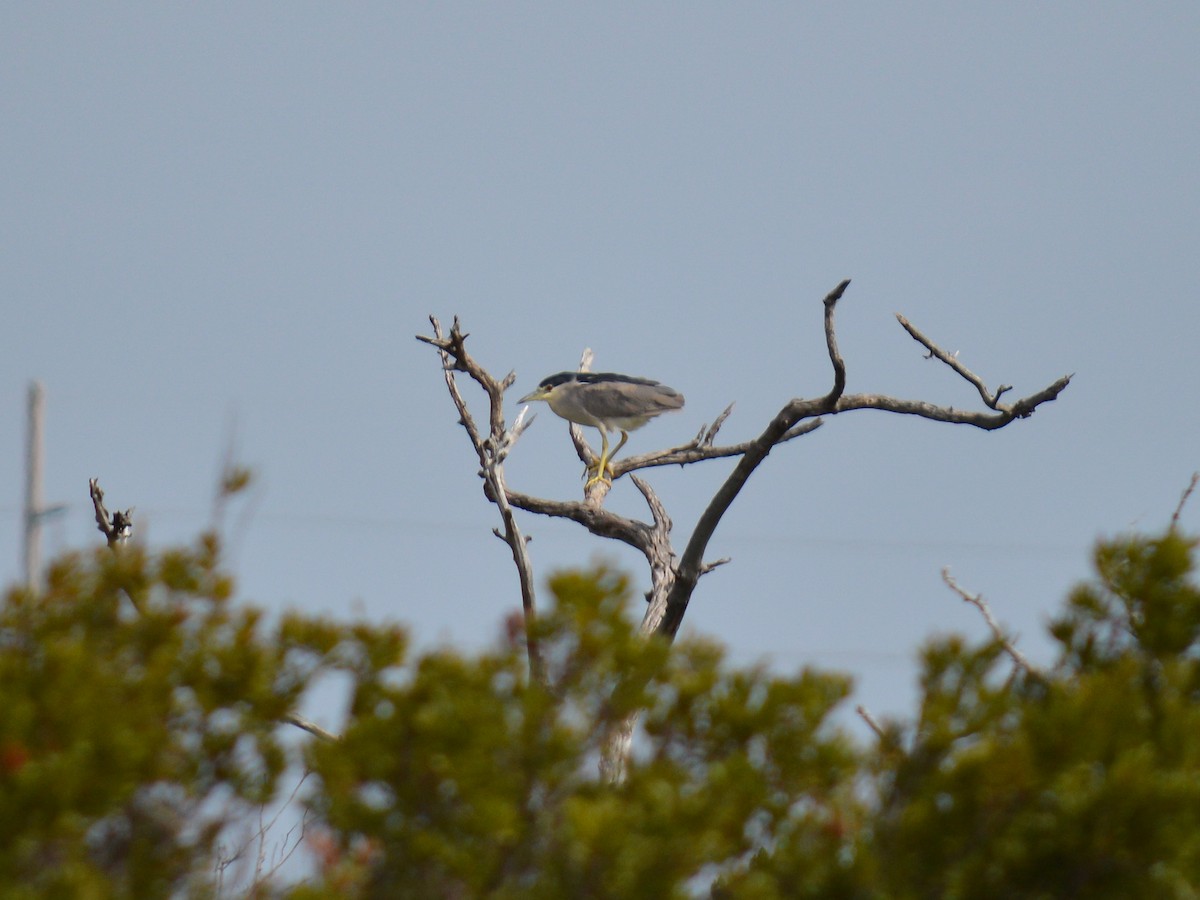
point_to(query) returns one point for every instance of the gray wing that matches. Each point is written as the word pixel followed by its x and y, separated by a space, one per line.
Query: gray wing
pixel 620 399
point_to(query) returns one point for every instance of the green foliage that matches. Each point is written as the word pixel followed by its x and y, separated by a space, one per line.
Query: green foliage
pixel 1079 781
pixel 129 734
pixel 460 778
pixel 142 712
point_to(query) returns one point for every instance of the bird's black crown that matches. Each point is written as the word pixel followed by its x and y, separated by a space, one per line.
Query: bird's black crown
pixel 591 378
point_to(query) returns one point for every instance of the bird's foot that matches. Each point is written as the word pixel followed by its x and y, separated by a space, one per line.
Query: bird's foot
pixel 596 475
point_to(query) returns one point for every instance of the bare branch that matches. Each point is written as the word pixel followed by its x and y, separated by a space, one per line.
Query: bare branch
pixel 951 359
pixel 659 552
pixel 292 840
pixel 116 529
pixel 1183 500
pixel 583 450
pixel 595 518
pixel 452 351
pixel 119 527
pixel 707 436
pixel 976 600
pixel 311 727
pixel 988 421
pixel 658 512
pixel 491 452
pixel 803 428
pixel 839 365
pixel 865 715
pixel 674 579
pixel 666 620
pixel 257 840
pixel 1020 409
pixel 1023 409
pixel 791 421
pixel 697 451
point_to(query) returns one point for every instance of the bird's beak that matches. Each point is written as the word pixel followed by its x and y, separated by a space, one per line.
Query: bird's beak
pixel 538 394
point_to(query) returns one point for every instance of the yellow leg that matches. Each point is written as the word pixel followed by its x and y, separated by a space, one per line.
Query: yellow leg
pixel 605 461
pixel 601 463
pixel 624 438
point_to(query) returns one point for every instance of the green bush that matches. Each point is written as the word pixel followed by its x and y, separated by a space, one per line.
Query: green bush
pixel 144 712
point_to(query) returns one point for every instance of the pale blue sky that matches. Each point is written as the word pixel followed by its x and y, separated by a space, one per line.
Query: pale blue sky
pixel 220 213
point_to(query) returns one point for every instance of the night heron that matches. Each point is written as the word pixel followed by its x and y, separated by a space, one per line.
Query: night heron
pixel 606 401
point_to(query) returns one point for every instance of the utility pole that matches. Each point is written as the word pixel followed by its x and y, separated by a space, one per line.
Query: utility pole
pixel 33 485
pixel 35 512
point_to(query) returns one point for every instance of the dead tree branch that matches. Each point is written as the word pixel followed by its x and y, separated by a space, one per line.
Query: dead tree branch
pixel 976 600
pixel 1019 410
pixel 674 578
pixel 1187 493
pixel 116 528
pixel 666 619
pixel 492 450
pixel 311 727
pixel 872 723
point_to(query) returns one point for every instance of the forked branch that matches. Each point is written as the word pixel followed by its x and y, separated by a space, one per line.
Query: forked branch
pixel 674 579
pixel 116 528
pixel 1019 410
pixel 492 450
pixel 666 619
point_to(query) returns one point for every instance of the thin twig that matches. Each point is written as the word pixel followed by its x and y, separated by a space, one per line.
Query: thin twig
pixel 698 451
pixel 865 715
pixel 594 491
pixel 979 603
pixel 951 359
pixel 715 564
pixel 709 433
pixel 311 727
pixel 1018 410
pixel 1183 500
pixel 279 855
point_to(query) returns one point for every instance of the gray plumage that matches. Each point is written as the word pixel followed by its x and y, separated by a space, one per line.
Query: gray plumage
pixel 607 401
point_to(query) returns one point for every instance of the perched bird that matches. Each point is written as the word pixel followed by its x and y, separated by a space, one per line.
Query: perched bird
pixel 606 401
